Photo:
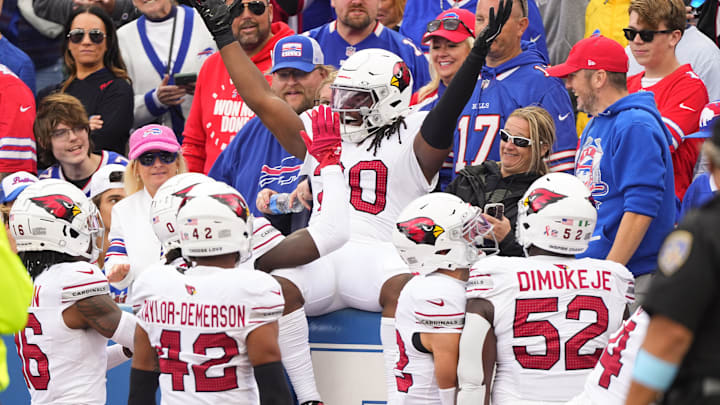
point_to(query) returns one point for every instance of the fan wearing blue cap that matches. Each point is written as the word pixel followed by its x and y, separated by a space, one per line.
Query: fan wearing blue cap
pixel 10 188
pixel 705 184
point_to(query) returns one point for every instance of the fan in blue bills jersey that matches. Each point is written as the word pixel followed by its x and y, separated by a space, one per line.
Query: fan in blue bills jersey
pixel 356 29
pixel 514 76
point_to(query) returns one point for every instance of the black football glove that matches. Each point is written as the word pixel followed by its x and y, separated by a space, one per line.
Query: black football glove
pixel 495 25
pixel 218 18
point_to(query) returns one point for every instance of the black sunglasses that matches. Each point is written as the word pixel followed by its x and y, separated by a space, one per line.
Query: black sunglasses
pixel 645 35
pixel 450 24
pixel 76 36
pixel 255 7
pixel 519 141
pixel 148 158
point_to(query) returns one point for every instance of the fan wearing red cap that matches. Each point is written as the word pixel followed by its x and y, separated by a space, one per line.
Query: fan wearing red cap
pixel 450 36
pixel 623 157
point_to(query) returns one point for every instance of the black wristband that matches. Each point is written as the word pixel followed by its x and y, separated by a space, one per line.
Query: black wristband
pixel 439 125
pixel 143 385
pixel 224 38
pixel 272 385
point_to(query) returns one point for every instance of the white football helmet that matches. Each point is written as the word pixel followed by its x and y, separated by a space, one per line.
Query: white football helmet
pixel 55 215
pixel 440 231
pixel 214 220
pixel 557 214
pixel 165 204
pixel 372 89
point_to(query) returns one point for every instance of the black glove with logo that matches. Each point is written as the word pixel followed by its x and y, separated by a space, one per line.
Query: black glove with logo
pixel 439 125
pixel 218 18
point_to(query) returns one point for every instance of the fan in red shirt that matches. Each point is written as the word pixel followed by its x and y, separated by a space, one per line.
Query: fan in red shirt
pixel 655 28
pixel 218 112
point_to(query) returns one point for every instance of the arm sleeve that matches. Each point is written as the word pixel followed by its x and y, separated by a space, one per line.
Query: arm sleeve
pixel 193 146
pixel 682 117
pixel 332 228
pixel 116 110
pixel 54 10
pixel 116 252
pixel 557 102
pixel 15 289
pixel 643 194
pixel 17 141
pixel 115 356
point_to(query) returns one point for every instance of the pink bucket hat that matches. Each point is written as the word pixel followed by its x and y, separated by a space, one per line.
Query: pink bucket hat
pixel 152 137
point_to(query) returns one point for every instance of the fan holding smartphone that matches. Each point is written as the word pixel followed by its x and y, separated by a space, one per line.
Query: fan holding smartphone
pixel 498 186
pixel 164 50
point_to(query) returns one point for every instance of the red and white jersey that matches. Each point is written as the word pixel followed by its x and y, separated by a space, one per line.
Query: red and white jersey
pixel 199 321
pixel 553 318
pixel 680 98
pixel 381 184
pixel 609 382
pixel 428 304
pixel 63 365
pixel 265 237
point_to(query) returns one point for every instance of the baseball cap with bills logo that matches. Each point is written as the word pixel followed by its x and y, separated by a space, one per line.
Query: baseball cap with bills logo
pixel 106 178
pixel 458 35
pixel 152 137
pixel 709 117
pixel 297 52
pixel 595 53
pixel 13 184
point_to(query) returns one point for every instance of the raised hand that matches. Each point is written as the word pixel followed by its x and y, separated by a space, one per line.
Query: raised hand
pixel 326 145
pixel 218 18
pixel 494 26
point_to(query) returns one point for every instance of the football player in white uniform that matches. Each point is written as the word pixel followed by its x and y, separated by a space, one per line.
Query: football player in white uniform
pixel 390 157
pixel 271 250
pixel 64 347
pixel 439 236
pixel 545 319
pixel 609 382
pixel 212 329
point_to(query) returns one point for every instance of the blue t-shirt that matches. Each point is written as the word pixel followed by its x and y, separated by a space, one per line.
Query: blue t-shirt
pixel 336 49
pixel 699 193
pixel 255 160
pixel 519 82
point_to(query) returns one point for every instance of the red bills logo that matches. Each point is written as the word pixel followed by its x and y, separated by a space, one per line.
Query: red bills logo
pixel 58 205
pixel 540 198
pixel 235 202
pixel 421 230
pixel 401 76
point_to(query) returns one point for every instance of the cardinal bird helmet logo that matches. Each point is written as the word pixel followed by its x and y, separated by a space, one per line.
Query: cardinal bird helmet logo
pixel 236 203
pixel 540 198
pixel 58 205
pixel 421 230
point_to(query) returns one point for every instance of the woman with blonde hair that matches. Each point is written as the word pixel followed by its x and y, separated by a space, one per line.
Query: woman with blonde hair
pixel 155 157
pixel 525 143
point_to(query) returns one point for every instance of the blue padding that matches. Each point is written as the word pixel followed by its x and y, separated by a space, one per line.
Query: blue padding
pixel 347 326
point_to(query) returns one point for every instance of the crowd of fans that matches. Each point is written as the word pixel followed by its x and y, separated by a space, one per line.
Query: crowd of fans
pixel 473 98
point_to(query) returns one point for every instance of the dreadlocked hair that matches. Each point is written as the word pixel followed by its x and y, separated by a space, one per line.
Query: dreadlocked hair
pixel 38 261
pixel 386 132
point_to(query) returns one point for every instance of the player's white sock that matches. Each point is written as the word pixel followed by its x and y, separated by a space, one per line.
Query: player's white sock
pixel 390 355
pixel 294 345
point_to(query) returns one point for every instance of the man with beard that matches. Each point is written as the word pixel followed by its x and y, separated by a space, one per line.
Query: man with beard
pixel 356 28
pixel 217 111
